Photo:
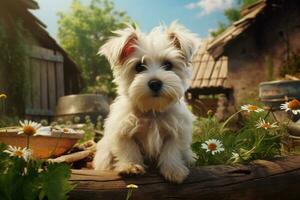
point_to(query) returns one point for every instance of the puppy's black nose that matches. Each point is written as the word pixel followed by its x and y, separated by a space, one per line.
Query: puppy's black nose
pixel 155 85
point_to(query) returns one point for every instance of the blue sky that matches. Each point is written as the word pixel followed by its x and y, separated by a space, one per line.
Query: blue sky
pixel 200 16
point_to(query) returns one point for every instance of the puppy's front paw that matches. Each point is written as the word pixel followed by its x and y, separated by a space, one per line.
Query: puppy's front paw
pixel 189 158
pixel 191 161
pixel 129 168
pixel 175 174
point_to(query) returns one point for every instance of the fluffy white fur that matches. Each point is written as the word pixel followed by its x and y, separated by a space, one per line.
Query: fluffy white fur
pixel 142 126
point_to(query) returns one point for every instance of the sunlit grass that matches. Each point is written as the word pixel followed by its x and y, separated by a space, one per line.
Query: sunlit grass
pixel 250 141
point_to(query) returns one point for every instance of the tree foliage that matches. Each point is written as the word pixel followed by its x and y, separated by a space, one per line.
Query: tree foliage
pixel 14 44
pixel 83 30
pixel 232 15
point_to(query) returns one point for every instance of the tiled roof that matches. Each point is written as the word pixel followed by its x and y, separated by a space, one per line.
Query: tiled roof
pixel 208 72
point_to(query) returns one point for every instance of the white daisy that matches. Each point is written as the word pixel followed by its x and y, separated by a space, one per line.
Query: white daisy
pixel 293 106
pixel 30 128
pixel 251 108
pixel 212 145
pixel 266 125
pixel 19 152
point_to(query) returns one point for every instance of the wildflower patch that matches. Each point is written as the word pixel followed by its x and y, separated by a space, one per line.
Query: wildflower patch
pixel 23 177
pixel 257 136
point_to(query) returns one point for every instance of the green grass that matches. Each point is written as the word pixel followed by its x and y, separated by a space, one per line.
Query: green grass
pixel 241 144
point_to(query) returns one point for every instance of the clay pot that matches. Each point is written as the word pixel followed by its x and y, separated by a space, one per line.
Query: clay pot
pixel 43 147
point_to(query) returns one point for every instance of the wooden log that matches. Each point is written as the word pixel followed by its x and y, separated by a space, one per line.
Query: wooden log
pixel 290 77
pixel 70 158
pixel 279 179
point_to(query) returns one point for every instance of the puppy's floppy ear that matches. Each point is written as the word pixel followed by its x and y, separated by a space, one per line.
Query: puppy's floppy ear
pixel 183 39
pixel 119 48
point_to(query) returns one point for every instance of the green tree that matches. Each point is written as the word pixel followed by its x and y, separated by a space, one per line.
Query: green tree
pixel 81 32
pixel 15 44
pixel 232 15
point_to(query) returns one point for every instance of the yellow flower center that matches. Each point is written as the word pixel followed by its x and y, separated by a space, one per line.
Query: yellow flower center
pixel 3 96
pixel 252 107
pixel 29 130
pixel 212 146
pixel 266 125
pixel 294 104
pixel 18 153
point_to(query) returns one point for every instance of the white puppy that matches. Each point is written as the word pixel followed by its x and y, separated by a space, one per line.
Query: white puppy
pixel 149 120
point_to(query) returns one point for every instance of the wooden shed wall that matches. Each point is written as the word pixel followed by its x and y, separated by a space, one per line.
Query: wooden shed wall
pixel 51 71
pixel 46 75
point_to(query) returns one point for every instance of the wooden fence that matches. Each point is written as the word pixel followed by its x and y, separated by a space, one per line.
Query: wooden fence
pixel 46 85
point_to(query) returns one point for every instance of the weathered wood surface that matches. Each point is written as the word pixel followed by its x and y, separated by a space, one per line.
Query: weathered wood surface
pixel 47 81
pixel 261 179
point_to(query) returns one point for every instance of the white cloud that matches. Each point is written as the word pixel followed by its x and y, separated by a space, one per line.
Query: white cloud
pixel 191 6
pixel 212 30
pixel 209 6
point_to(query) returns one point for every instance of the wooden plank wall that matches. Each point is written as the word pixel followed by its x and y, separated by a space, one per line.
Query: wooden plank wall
pixel 46 82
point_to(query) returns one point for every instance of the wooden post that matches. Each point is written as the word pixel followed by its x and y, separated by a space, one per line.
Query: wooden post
pixel 261 179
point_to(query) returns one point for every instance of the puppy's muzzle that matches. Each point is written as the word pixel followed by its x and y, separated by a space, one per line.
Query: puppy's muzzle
pixel 155 85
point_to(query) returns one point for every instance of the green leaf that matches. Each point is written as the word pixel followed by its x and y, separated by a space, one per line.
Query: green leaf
pixel 55 181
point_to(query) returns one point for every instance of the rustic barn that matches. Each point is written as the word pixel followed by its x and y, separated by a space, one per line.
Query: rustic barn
pixel 51 72
pixel 256 47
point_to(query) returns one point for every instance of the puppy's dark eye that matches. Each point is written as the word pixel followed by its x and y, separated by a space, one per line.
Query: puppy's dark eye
pixel 139 67
pixel 167 65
